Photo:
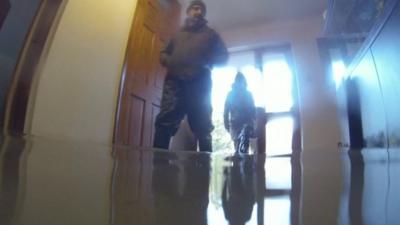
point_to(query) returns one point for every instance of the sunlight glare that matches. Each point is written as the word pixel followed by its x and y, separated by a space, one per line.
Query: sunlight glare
pixel 278 86
pixel 339 72
pixel 279 133
pixel 222 81
pixel 254 84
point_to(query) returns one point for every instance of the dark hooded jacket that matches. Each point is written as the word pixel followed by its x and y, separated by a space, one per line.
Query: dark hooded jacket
pixel 193 51
pixel 239 107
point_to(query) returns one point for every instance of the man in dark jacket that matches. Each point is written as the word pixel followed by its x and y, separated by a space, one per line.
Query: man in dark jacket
pixel 240 114
pixel 189 57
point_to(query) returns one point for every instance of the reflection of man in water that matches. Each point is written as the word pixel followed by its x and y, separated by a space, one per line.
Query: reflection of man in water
pixel 4 8
pixel 180 190
pixel 238 195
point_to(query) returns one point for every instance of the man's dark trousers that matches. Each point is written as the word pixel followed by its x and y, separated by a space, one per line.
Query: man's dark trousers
pixel 185 96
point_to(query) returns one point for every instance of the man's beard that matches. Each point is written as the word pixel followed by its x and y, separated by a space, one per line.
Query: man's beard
pixel 193 23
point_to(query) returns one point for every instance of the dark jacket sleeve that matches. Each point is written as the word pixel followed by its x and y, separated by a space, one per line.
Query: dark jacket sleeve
pixel 166 53
pixel 220 53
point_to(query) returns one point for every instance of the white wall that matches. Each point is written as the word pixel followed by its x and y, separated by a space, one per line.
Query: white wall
pixel 317 93
pixel 78 86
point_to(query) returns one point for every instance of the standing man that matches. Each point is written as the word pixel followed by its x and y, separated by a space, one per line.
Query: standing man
pixel 189 57
pixel 240 114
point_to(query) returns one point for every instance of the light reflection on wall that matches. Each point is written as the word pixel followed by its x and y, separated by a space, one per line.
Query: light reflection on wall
pixel 338 72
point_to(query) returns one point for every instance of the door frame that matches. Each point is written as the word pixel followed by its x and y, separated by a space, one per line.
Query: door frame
pixel 262 116
pixel 21 94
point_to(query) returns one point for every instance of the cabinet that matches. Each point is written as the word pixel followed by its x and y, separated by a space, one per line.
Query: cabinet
pixel 352 21
pixel 368 33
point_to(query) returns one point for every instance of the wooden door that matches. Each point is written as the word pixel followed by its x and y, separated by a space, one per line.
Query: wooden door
pixel 141 85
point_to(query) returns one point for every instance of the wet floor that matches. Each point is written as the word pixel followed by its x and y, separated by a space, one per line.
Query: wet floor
pixel 48 182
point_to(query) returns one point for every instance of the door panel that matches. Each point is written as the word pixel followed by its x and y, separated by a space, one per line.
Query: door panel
pixel 159 71
pixel 137 113
pixel 143 76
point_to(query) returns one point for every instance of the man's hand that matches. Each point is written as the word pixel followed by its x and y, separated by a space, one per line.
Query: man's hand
pixel 164 60
pixel 165 53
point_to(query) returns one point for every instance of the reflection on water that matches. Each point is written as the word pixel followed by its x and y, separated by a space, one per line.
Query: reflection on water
pixel 48 182
pixel 180 190
pixel 11 153
pixel 196 188
pixel 238 192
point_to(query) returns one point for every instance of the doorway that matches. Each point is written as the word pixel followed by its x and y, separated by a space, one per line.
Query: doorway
pixel 270 78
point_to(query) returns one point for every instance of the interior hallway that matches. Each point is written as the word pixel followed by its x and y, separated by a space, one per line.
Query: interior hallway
pixel 51 182
pixel 59 95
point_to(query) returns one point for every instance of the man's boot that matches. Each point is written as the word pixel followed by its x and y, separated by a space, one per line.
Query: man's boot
pixel 161 140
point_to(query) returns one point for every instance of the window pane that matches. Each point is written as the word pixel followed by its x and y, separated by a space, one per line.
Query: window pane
pixel 278 173
pixel 279 133
pixel 255 83
pixel 277 83
pixel 241 59
pixel 222 81
pixel 277 210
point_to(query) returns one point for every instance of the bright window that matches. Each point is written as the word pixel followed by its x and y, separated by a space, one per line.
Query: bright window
pixel 277 84
pixel 272 89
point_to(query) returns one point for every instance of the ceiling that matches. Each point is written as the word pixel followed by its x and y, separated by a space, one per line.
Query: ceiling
pixel 230 14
